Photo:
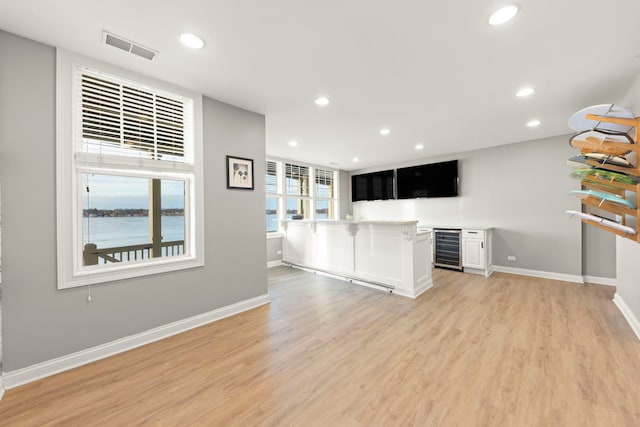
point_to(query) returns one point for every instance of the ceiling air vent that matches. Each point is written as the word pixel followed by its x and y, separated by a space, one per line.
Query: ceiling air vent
pixel 128 46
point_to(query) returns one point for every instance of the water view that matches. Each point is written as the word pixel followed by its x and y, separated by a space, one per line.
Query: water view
pixel 109 232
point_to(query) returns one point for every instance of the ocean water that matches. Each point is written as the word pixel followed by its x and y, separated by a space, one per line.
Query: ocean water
pixel 109 232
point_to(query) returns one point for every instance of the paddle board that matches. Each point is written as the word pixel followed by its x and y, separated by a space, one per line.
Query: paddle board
pixel 611 224
pixel 586 173
pixel 609 159
pixel 580 160
pixel 578 122
pixel 599 142
pixel 604 196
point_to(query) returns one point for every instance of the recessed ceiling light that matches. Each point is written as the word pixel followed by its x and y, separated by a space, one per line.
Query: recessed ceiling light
pixel 385 131
pixel 533 123
pixel 419 147
pixel 191 40
pixel 504 14
pixel 293 143
pixel 355 160
pixel 322 101
pixel 525 91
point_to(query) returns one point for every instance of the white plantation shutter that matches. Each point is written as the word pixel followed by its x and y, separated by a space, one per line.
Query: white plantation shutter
pixel 122 118
pixel 324 184
pixel 271 176
pixel 297 179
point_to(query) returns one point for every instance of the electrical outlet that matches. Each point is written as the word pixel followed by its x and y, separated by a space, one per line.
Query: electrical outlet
pixel 511 258
pixel 279 253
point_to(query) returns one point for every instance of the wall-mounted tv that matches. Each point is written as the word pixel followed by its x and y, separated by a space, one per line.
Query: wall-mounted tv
pixel 432 180
pixel 372 186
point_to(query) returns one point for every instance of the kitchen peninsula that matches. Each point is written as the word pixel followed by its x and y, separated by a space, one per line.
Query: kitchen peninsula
pixel 391 255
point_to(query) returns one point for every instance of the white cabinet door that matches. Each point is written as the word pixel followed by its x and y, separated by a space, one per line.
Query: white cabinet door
pixel 473 253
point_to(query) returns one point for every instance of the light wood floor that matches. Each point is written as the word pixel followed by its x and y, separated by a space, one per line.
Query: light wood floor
pixel 507 350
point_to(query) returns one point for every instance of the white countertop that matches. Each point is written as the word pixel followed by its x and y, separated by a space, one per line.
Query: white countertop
pixel 344 221
pixel 452 227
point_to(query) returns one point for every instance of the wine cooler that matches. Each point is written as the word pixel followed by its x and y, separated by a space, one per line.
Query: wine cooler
pixel 447 248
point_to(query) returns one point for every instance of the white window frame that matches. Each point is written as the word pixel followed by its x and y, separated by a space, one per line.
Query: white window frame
pixel 71 165
pixel 308 197
pixel 333 200
pixel 277 195
pixel 282 192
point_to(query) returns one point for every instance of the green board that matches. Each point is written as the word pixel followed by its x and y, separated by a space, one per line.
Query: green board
pixel 586 173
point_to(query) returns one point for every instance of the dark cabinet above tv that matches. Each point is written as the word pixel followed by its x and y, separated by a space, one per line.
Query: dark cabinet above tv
pixel 372 186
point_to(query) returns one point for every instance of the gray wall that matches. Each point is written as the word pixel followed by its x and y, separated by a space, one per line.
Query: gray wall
pixel 274 245
pixel 41 322
pixel 521 190
pixel 598 252
pixel 628 263
pixel 345 194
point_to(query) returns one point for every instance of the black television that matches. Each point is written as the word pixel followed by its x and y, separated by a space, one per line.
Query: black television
pixel 372 186
pixel 432 180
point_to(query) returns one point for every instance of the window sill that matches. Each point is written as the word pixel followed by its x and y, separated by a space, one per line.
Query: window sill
pixel 275 235
pixel 129 271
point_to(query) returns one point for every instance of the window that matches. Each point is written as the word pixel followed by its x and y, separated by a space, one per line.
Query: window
pixel 129 175
pixel 273 195
pixel 297 189
pixel 325 194
pixel 309 193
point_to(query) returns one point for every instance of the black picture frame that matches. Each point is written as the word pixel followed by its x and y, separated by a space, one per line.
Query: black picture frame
pixel 240 173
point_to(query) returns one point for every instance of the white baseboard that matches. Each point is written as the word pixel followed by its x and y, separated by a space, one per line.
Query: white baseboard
pixel 419 290
pixel 274 263
pixel 538 273
pixel 41 370
pixel 1 388
pixel 627 313
pixel 600 280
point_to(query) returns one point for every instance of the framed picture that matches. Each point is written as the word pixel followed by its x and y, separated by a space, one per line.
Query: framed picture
pixel 239 173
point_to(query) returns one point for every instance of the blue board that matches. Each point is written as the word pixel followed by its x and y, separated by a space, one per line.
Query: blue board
pixel 604 196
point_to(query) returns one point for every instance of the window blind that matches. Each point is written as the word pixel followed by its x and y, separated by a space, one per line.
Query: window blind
pixel 120 118
pixel 271 176
pixel 324 184
pixel 297 179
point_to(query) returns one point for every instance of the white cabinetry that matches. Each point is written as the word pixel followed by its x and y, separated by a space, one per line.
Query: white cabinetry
pixel 388 254
pixel 476 251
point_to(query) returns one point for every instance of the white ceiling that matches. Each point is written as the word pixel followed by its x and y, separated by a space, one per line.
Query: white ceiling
pixel 433 72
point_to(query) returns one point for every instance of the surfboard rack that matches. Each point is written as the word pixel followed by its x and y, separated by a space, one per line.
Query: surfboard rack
pixel 628 217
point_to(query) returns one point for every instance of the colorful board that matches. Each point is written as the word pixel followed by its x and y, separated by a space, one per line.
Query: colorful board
pixel 586 173
pixel 611 224
pixel 604 142
pixel 612 160
pixel 604 196
pixel 580 160
pixel 578 122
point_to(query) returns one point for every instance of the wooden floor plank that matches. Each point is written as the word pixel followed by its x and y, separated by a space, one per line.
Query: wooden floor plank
pixel 504 350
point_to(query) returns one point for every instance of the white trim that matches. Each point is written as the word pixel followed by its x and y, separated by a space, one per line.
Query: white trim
pixel 627 313
pixel 1 388
pixel 537 273
pixel 601 280
pixel 419 290
pixel 274 263
pixel 275 235
pixel 41 370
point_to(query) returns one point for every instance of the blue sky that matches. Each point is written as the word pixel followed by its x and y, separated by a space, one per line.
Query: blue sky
pixel 116 192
